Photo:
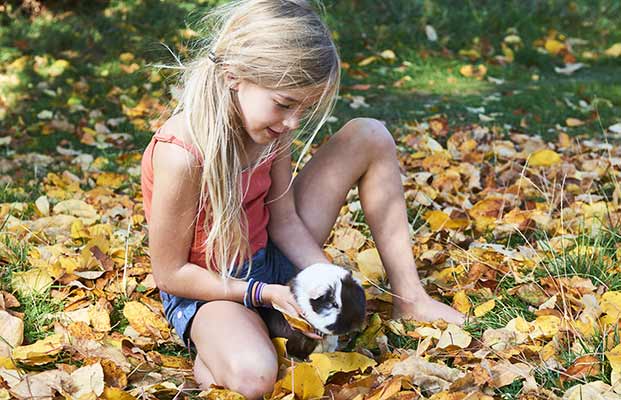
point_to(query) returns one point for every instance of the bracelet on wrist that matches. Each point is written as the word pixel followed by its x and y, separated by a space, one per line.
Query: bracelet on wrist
pixel 253 296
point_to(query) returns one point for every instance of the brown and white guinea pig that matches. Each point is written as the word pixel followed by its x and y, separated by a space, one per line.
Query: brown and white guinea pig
pixel 332 301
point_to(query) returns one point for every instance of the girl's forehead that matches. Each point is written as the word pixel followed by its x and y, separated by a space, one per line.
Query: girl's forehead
pixel 304 95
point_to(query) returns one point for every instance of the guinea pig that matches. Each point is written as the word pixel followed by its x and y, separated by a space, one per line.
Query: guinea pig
pixel 332 301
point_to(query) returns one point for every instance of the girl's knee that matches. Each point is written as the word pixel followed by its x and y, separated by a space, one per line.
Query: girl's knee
pixel 251 377
pixel 369 134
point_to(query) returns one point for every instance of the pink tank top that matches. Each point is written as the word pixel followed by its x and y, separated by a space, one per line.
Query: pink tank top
pixel 254 206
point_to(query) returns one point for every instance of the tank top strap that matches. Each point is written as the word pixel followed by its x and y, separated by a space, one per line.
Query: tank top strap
pixel 160 137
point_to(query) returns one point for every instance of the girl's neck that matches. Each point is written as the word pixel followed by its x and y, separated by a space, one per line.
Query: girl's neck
pixel 252 153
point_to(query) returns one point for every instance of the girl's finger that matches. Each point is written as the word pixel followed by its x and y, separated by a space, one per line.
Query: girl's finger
pixel 312 335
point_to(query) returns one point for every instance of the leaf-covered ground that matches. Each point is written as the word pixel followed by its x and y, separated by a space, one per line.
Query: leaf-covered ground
pixel 507 121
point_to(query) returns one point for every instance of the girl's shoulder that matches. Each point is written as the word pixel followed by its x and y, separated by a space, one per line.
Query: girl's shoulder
pixel 175 136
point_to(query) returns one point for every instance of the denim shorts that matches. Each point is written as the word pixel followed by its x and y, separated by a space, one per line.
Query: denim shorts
pixel 269 265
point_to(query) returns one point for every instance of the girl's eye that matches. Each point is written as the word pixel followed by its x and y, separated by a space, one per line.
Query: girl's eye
pixel 285 106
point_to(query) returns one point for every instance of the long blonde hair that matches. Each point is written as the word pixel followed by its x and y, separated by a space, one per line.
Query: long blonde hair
pixel 276 44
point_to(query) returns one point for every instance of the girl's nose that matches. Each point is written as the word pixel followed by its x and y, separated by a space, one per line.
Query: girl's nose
pixel 292 122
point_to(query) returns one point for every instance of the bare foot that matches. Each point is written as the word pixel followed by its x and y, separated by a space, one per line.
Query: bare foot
pixel 427 309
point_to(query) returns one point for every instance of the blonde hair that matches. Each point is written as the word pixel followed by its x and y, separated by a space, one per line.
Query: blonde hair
pixel 276 44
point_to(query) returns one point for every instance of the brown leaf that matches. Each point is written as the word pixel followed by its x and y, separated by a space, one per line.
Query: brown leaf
pixel 582 368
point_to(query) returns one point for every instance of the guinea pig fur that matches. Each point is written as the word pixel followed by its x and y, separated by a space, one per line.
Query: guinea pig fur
pixel 332 301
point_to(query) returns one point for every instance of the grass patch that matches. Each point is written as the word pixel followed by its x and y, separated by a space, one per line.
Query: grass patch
pixel 13 258
pixel 592 255
pixel 39 310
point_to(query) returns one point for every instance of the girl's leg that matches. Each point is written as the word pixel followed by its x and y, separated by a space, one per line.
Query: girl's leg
pixel 364 152
pixel 234 349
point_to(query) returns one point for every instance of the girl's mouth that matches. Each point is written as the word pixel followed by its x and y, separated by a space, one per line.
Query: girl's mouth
pixel 273 133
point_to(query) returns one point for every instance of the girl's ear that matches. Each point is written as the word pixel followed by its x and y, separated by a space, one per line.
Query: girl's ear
pixel 232 81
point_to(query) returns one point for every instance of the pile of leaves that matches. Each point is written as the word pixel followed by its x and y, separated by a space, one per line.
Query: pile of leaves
pixel 517 233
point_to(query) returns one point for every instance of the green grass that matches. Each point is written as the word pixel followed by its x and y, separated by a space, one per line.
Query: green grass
pixel 38 309
pixel 13 258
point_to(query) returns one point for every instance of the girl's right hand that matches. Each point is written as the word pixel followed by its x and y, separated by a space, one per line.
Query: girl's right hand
pixel 281 296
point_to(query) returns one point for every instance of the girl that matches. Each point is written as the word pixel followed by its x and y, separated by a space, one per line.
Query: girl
pixel 219 193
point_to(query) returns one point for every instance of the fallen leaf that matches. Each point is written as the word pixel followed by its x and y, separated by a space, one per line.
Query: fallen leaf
pixel 454 337
pixel 330 363
pixel 11 333
pixel 484 308
pixel 582 368
pixel 40 352
pixel 614 50
pixel 573 122
pixel 145 321
pixel 433 377
pixel 370 265
pixel 303 380
pixel 544 158
pixel 461 302
pixel 88 380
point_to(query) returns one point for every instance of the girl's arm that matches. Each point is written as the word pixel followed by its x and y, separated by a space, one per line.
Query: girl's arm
pixel 171 229
pixel 286 228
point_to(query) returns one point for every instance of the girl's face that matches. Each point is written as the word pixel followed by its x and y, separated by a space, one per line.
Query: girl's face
pixel 268 114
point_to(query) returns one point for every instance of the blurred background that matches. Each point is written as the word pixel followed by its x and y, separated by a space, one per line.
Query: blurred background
pixel 536 66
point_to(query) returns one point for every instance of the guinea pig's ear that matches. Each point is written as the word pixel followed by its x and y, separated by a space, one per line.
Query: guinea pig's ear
pixel 353 278
pixel 316 292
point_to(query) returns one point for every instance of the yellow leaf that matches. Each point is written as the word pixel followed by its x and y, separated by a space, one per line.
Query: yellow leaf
pixel 388 55
pixel 126 57
pixel 508 53
pixel 329 363
pixel 546 326
pixel 215 393
pixel 31 282
pixel 111 179
pixel 79 209
pixel 42 206
pixel 113 393
pixel 280 344
pixel 611 306
pixel 78 231
pixel 295 322
pixel 572 122
pixel 440 220
pixel 367 61
pixel 145 321
pixel 614 50
pixel 473 71
pixel 368 337
pixel 99 316
pixel 41 351
pixel 544 158
pixel 304 381
pixel 348 239
pixel 7 363
pixel 454 337
pixel 614 358
pixel 461 302
pixel 370 265
pixel 484 308
pixel 486 211
pixel 554 46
